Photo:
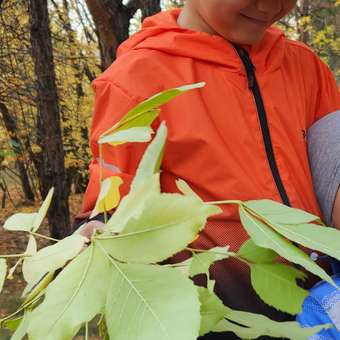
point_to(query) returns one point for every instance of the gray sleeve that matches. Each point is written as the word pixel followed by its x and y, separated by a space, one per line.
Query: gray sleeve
pixel 324 156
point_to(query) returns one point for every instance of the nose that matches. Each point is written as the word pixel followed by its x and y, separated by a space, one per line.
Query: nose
pixel 269 6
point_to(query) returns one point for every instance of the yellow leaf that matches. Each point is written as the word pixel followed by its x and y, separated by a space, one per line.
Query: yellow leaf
pixel 109 195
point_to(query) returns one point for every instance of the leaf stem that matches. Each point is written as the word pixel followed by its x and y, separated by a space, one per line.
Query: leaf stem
pixel 86 330
pixel 237 202
pixel 15 255
pixel 231 254
pixel 43 236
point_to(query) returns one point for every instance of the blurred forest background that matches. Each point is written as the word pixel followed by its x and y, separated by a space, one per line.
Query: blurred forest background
pixel 50 51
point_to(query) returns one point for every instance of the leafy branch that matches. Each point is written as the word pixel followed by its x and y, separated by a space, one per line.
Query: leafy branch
pixel 116 274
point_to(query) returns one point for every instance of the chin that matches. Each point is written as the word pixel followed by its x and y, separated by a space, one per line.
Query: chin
pixel 246 39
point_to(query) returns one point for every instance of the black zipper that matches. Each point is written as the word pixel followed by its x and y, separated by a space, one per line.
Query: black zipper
pixel 253 86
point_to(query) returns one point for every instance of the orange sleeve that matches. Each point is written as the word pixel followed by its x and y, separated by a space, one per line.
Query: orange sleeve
pixel 111 103
pixel 328 96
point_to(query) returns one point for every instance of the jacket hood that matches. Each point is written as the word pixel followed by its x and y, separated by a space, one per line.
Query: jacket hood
pixel 162 33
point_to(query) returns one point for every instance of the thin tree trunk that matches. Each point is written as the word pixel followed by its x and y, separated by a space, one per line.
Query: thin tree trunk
pixel 12 129
pixel 53 172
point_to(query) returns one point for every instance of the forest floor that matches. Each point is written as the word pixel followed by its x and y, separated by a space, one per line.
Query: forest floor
pixel 15 243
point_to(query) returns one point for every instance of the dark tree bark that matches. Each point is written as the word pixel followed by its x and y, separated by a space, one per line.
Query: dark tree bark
pixel 12 129
pixel 112 21
pixel 149 7
pixel 52 170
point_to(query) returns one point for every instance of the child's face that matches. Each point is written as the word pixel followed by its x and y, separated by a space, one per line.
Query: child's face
pixel 242 21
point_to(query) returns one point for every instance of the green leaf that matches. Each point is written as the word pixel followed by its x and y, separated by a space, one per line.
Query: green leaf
pixel 148 302
pixel 276 286
pixel 34 288
pixel 3 272
pixel 312 236
pixel 146 112
pixel 52 257
pixel 251 252
pixel 150 162
pixel 76 295
pixel 132 205
pixel 167 224
pixel 141 134
pixel 265 237
pixel 241 331
pixel 212 310
pixel 12 324
pixel 20 222
pixel 256 325
pixel 201 263
pixel 280 213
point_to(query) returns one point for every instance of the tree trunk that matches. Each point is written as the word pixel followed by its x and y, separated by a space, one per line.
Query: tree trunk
pixel 149 7
pixel 304 34
pixel 12 129
pixel 53 172
pixel 112 21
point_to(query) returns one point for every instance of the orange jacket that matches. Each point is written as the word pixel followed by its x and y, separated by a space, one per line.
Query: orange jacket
pixel 220 139
pixel 216 142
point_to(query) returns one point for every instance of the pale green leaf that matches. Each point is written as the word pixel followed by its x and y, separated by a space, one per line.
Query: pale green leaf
pixel 139 134
pixel 201 262
pixel 256 325
pixel 3 272
pixel 167 224
pixel 21 330
pixel 251 252
pixel 149 302
pixel 212 310
pixel 312 236
pixel 109 195
pixel 265 237
pixel 185 189
pixel 20 222
pixel 29 222
pixel 76 296
pixel 43 210
pixel 52 257
pixel 132 205
pixel 280 213
pixel 32 247
pixel 276 286
pixel 150 161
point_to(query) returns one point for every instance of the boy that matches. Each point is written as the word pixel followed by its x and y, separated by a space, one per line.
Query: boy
pixel 242 136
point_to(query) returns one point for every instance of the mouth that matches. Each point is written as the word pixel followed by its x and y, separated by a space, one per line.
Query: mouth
pixel 256 21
